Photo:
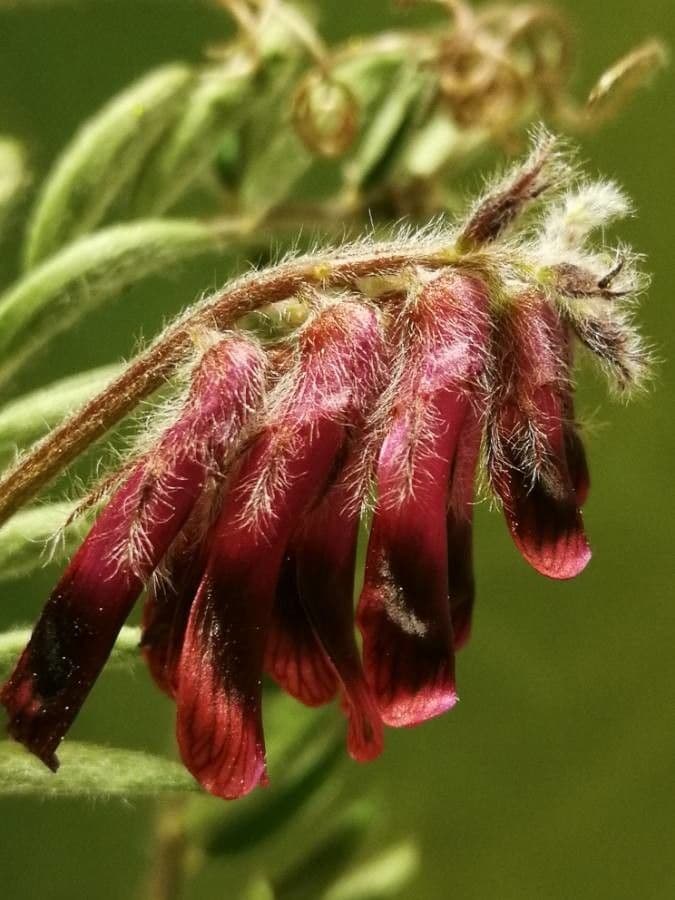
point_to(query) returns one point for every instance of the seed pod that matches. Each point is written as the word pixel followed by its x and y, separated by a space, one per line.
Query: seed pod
pixel 325 115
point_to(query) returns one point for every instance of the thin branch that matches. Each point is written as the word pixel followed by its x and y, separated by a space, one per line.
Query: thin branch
pixel 150 369
pixel 167 871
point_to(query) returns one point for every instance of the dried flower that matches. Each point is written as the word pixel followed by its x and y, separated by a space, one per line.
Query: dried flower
pixel 242 515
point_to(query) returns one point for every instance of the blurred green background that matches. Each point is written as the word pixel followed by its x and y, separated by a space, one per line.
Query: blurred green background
pixel 553 778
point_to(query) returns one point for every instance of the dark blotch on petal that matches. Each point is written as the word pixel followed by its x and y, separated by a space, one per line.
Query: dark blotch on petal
pixel 461 583
pixel 219 727
pixel 577 464
pixel 293 655
pixel 326 555
pixel 547 530
pixel 79 624
pixel 165 617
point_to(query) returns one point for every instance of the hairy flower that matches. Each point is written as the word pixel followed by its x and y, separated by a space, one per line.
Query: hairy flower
pixel 241 516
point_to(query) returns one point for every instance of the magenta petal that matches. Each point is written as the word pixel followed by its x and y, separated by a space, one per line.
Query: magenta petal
pixel 326 554
pixel 293 655
pixel 219 727
pixel 219 724
pixel 537 463
pixel 461 585
pixel 165 616
pixel 404 613
pixel 577 464
pixel 285 469
pixel 542 510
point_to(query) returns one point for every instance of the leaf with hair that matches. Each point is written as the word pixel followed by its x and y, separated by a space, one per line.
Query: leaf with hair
pixel 52 297
pixel 28 417
pixel 26 540
pixel 102 159
pixel 88 770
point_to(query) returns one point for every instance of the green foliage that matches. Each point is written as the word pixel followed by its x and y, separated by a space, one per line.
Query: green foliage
pixel 216 104
pixel 14 180
pixel 221 137
pixel 102 159
pixel 73 282
pixel 28 417
pixel 90 771
pixel 35 536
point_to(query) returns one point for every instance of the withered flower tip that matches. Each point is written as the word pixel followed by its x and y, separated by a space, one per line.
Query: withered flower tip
pixel 241 516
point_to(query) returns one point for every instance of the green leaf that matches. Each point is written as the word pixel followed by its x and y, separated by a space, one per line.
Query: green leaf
pixel 218 102
pixel 387 125
pixel 75 281
pixel 268 812
pixel 438 144
pixel 274 157
pixel 14 180
pixel 259 889
pixel 369 75
pixel 124 653
pixel 102 159
pixel 385 876
pixel 25 538
pixel 324 862
pixel 29 417
pixel 88 770
pixel 273 170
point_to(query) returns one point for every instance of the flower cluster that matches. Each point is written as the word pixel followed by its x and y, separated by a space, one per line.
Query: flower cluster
pixel 241 516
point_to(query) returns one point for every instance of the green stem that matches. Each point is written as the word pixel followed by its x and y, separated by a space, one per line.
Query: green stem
pixel 166 877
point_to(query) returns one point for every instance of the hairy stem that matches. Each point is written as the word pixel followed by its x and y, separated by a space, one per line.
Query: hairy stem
pixel 150 369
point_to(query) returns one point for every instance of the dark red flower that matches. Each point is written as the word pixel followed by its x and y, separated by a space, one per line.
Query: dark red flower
pixel 535 458
pixel 241 518
pixel 405 610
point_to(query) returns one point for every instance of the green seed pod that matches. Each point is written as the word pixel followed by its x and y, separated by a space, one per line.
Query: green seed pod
pixel 325 115
pixel 102 159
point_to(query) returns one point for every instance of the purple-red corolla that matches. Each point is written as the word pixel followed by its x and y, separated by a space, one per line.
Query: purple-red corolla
pixel 241 517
